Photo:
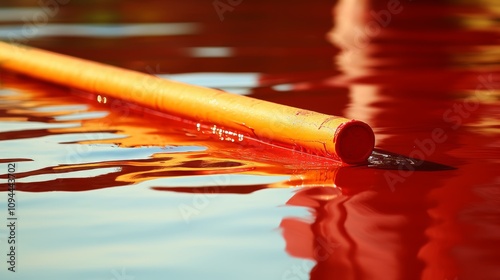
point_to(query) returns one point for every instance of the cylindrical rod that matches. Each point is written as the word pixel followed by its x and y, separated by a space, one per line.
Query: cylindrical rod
pixel 347 140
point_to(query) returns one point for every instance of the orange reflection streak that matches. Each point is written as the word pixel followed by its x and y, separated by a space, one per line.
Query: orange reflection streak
pixel 124 127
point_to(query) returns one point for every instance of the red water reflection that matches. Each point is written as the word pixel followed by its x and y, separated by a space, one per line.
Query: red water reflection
pixel 410 83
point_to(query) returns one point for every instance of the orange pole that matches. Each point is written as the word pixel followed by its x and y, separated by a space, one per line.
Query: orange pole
pixel 349 141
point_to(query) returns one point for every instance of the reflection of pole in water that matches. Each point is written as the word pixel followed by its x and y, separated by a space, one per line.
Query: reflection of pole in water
pixel 347 238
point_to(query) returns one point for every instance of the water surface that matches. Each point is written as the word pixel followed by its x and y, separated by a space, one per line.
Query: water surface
pixel 108 190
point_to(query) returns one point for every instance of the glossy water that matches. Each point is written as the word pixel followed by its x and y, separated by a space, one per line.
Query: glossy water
pixel 108 190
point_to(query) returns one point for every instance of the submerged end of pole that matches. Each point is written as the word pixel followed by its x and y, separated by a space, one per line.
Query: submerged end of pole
pixel 354 142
